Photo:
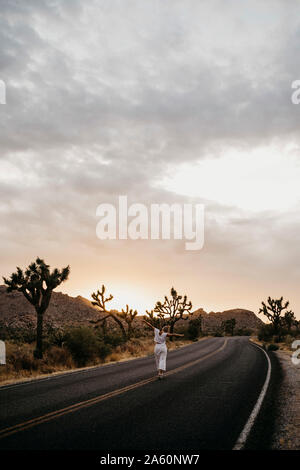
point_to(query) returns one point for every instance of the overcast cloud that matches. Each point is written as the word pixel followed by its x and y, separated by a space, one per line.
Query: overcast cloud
pixel 108 97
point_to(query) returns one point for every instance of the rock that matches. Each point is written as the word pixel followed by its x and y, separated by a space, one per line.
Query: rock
pixel 213 320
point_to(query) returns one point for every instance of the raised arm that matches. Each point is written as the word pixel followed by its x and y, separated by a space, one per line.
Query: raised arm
pixel 149 324
pixel 174 334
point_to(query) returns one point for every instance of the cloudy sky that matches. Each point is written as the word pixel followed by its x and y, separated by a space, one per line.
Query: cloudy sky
pixel 163 101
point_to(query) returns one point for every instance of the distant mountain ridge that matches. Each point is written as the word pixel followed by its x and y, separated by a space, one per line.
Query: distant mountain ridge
pixel 65 310
pixel 245 319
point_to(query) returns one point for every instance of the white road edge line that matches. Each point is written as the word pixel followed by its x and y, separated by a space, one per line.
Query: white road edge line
pixel 248 426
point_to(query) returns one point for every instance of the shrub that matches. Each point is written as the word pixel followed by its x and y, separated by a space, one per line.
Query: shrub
pixel 182 330
pixel 113 339
pixel 272 347
pixel 20 334
pixel 218 334
pixel 103 350
pixel 138 333
pixel 295 332
pixel 22 359
pixel 115 357
pixel 83 344
pixel 288 340
pixel 265 332
pixel 56 336
pixel 243 332
pixel 58 357
pixel 3 332
pixel 194 329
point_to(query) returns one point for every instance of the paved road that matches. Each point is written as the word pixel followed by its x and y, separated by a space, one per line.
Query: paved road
pixel 203 403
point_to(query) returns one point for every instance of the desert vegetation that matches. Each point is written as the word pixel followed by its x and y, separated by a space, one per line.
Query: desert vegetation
pixel 283 327
pixel 70 348
pixel 36 284
pixel 40 347
pixel 173 309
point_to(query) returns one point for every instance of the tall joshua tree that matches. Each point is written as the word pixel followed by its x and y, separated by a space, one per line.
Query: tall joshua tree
pixel 273 312
pixel 100 301
pixel 174 308
pixel 36 284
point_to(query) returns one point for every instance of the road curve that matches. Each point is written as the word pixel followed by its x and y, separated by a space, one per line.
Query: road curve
pixel 203 403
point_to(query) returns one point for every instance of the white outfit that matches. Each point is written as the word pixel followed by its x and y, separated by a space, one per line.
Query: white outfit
pixel 160 349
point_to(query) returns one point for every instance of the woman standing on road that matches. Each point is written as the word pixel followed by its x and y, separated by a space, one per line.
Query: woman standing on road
pixel 160 349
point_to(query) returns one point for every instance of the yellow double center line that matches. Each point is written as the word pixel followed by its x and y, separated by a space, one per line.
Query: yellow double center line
pixel 83 404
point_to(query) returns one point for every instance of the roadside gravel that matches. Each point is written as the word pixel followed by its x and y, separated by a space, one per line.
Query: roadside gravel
pixel 287 425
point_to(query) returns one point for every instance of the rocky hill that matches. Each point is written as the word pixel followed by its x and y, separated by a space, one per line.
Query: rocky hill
pixel 213 320
pixel 64 310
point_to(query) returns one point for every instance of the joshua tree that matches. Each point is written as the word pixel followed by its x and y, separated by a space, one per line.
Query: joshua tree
pixel 289 319
pixel 100 301
pixel 128 315
pixel 174 308
pixel 195 328
pixel 154 320
pixel 229 325
pixel 273 312
pixel 36 284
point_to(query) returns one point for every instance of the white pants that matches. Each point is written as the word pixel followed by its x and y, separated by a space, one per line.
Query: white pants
pixel 160 352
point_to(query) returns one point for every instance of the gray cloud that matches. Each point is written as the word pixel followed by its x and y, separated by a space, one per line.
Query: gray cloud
pixel 103 98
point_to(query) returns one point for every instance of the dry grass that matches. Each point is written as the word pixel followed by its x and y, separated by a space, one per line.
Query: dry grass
pixel 21 365
pixel 256 341
pixel 282 346
pixel 140 348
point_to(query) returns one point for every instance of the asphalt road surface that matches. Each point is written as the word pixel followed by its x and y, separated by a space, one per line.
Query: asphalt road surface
pixel 203 402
